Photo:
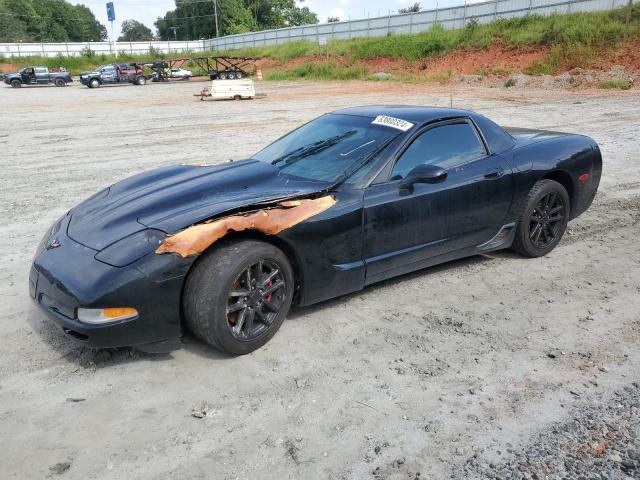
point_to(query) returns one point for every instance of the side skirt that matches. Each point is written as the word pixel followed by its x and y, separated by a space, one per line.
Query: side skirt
pixel 501 240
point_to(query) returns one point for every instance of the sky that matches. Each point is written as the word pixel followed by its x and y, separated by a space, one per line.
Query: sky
pixel 147 11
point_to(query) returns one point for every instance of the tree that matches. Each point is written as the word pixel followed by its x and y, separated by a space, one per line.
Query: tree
pixel 12 29
pixel 48 21
pixel 195 19
pixel 415 8
pixel 135 31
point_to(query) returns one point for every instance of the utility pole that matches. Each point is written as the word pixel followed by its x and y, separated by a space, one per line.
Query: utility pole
pixel 215 14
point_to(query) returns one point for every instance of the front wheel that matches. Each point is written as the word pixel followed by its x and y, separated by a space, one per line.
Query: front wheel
pixel 237 296
pixel 16 83
pixel 95 83
pixel 543 220
pixel 141 81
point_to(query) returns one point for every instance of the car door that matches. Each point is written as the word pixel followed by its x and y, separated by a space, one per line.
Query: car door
pixel 404 228
pixel 108 74
pixel 42 76
pixel 28 76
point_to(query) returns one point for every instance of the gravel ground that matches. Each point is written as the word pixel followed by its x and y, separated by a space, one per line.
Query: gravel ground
pixel 600 441
pixel 490 366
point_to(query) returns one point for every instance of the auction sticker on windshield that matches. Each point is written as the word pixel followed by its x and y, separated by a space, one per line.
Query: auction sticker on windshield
pixel 392 122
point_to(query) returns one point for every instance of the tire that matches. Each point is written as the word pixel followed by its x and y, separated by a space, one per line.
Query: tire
pixel 16 83
pixel 543 220
pixel 216 296
pixel 94 83
pixel 239 75
pixel 141 81
pixel 231 75
pixel 237 97
pixel 59 82
pixel 222 76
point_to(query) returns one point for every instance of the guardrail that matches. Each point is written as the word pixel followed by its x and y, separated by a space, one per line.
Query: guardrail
pixel 450 18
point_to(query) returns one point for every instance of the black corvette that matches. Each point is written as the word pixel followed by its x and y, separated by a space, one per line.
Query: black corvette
pixel 351 198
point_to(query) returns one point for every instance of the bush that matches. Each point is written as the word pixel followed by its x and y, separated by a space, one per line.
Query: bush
pixel 320 71
pixel 611 84
pixel 87 52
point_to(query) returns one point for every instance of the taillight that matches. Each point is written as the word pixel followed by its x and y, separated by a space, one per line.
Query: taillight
pixel 584 177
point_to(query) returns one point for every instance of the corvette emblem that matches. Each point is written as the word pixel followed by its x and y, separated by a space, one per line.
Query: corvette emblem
pixel 54 244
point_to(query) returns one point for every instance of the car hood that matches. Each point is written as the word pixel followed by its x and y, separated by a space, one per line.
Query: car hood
pixel 172 198
pixel 91 72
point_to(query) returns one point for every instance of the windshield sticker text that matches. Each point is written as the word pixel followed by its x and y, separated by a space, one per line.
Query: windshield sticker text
pixel 392 122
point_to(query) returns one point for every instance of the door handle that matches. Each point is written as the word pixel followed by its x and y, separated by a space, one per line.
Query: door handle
pixel 495 173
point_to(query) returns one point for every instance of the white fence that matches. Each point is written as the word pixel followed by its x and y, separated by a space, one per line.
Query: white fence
pixel 450 18
pixel 67 49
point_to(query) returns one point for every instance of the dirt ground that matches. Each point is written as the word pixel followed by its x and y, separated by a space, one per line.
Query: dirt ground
pixel 411 378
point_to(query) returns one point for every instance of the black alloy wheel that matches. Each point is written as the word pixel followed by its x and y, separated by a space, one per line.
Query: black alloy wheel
pixel 238 294
pixel 256 298
pixel 546 220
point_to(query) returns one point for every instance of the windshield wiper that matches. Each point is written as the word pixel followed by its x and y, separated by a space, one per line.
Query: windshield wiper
pixel 310 149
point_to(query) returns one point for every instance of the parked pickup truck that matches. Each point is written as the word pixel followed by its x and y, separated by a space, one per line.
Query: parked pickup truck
pixel 37 76
pixel 114 73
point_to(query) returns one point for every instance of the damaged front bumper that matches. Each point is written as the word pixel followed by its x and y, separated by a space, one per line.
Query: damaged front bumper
pixel 66 276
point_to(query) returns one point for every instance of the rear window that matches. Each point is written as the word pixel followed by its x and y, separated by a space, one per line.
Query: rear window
pixel 497 139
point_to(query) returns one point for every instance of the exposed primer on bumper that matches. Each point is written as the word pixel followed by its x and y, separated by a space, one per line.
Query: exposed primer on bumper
pixel 269 220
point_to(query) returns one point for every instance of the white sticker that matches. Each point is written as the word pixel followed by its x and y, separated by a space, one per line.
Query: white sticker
pixel 392 122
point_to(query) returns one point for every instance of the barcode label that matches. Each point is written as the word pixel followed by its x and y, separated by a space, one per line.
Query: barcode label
pixel 392 122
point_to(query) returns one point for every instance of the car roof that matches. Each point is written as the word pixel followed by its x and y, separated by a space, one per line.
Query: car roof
pixel 416 114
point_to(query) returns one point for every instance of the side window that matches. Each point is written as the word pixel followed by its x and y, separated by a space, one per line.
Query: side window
pixel 446 146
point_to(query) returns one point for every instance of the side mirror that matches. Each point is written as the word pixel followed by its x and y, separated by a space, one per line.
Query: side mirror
pixel 424 173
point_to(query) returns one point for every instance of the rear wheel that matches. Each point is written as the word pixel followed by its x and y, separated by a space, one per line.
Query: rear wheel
pixel 59 82
pixel 239 75
pixel 141 81
pixel 16 83
pixel 237 296
pixel 543 220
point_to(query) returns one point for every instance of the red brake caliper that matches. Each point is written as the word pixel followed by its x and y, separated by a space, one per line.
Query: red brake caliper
pixel 270 296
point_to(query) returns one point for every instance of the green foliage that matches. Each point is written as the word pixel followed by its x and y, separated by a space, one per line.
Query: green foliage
pixel 48 21
pixel 510 83
pixel 574 40
pixel 135 31
pixel 195 20
pixel 611 84
pixel 87 53
pixel 320 71
pixel 411 9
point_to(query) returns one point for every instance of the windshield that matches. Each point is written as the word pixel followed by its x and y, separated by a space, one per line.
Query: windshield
pixel 328 147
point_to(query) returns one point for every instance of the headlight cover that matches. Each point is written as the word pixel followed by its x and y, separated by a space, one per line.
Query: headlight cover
pixel 129 249
pixel 98 316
